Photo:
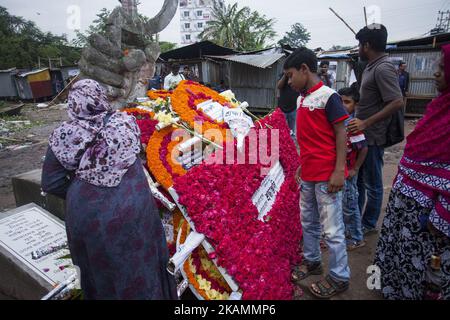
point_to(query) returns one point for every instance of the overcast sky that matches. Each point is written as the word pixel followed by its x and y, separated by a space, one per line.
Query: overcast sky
pixel 403 18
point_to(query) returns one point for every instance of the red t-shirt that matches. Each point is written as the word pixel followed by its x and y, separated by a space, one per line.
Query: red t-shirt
pixel 317 112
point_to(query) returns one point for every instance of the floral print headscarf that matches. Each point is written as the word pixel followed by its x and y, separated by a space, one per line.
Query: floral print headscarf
pixel 100 152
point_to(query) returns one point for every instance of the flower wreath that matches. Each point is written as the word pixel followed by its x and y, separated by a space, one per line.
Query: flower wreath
pixel 159 157
pixel 201 272
pixel 155 94
pixel 145 122
pixel 187 96
pixel 218 199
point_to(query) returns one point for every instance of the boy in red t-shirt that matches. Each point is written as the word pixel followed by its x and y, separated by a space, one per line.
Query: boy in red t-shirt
pixel 356 154
pixel 321 136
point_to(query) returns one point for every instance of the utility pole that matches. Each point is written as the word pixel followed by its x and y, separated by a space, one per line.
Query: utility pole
pixel 442 24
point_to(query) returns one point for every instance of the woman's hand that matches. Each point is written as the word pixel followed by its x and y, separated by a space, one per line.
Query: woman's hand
pixel 434 231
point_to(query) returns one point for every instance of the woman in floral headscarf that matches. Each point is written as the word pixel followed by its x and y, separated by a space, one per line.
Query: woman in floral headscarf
pixel 114 232
pixel 417 223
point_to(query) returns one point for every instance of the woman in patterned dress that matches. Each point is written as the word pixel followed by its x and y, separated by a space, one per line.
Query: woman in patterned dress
pixel 113 227
pixel 417 222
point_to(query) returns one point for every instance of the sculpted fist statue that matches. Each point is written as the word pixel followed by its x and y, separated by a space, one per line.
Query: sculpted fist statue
pixel 124 59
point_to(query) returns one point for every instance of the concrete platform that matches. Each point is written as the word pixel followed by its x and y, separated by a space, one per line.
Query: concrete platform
pixel 27 189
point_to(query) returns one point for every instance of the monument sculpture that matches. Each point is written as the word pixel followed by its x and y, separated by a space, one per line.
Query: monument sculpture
pixel 123 59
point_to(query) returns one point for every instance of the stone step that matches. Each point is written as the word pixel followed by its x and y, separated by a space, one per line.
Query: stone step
pixel 27 189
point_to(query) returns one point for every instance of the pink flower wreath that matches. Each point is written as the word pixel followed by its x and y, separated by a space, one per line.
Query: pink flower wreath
pixel 218 198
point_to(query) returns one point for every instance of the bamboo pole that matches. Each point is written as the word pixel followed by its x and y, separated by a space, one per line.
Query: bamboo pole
pixel 365 15
pixel 343 21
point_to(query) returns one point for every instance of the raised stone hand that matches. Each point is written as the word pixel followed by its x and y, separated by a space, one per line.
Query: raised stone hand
pixel 124 59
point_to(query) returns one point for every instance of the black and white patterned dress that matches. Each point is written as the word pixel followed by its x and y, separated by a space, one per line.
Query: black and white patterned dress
pixel 405 248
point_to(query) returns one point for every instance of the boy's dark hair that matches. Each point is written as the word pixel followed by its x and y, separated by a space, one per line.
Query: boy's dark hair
pixel 351 91
pixel 401 63
pixel 324 63
pixel 375 35
pixel 301 56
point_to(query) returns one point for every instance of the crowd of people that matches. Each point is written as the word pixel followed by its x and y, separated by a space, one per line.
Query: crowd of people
pixel 171 80
pixel 118 241
pixel 342 137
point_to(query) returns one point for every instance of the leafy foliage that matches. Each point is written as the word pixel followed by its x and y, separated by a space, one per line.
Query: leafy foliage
pixel 297 37
pixel 22 43
pixel 167 46
pixel 240 29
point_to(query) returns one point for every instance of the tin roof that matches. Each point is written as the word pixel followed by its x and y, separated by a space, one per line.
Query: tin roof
pixel 256 60
pixel 8 70
pixel 29 73
pixel 196 51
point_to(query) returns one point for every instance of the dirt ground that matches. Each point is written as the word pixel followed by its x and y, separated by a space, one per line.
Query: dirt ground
pixel 43 121
pixel 17 160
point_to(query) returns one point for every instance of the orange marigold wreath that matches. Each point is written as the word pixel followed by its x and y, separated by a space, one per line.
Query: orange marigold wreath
pixel 187 96
pixel 159 159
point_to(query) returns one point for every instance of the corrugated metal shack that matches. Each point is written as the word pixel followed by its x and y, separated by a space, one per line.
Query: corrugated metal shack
pixel 7 83
pixel 34 84
pixel 253 77
pixel 341 64
pixel 195 56
pixel 420 54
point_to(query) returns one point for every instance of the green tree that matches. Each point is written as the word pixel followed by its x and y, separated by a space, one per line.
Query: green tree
pixel 297 37
pixel 97 26
pixel 336 48
pixel 22 43
pixel 167 46
pixel 240 29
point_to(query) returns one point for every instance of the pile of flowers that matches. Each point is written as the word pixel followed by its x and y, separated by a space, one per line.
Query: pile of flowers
pixel 145 121
pixel 259 255
pixel 218 198
pixel 156 94
pixel 185 99
pixel 159 157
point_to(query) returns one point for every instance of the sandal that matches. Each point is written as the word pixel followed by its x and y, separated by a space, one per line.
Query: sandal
pixel 355 245
pixel 327 288
pixel 307 269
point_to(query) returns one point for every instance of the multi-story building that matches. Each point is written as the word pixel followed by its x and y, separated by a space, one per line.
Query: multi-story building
pixel 194 14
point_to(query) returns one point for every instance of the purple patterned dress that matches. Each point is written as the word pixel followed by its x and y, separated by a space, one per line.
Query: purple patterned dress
pixel 113 227
pixel 115 234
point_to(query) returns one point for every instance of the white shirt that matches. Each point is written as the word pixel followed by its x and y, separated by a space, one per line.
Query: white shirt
pixel 172 81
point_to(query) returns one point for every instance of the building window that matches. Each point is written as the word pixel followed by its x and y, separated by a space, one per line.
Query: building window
pixel 186 14
pixel 187 25
pixel 183 3
pixel 188 37
pixel 200 25
pixel 199 13
pixel 201 2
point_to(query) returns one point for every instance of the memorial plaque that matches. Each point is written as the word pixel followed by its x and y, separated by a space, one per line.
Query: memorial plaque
pixel 33 240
